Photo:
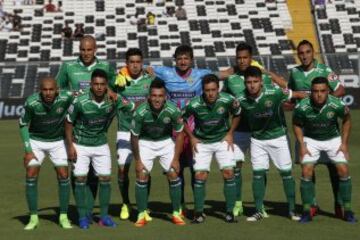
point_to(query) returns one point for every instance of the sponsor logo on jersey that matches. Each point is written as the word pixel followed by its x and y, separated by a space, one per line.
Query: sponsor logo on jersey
pixel 182 95
pixel 330 114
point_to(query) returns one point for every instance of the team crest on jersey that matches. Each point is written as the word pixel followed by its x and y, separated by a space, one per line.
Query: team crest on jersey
pixel 330 115
pixel 109 109
pixel 268 103
pixel 220 110
pixel 59 110
pixel 166 120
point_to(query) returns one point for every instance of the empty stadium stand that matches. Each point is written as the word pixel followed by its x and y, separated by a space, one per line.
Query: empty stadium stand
pixel 338 26
pixel 212 28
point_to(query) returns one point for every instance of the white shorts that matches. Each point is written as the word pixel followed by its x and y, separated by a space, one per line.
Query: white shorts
pixel 277 149
pixel 98 156
pixel 150 150
pixel 330 147
pixel 123 146
pixel 241 145
pixel 206 151
pixel 56 151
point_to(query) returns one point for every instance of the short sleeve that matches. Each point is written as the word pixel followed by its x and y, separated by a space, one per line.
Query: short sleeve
pixel 298 116
pixel 73 111
pixel 178 122
pixel 26 115
pixel 125 105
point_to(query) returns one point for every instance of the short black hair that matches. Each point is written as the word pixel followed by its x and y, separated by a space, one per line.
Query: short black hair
pixel 99 73
pixel 157 83
pixel 244 46
pixel 252 71
pixel 320 80
pixel 184 49
pixel 304 42
pixel 133 52
pixel 209 78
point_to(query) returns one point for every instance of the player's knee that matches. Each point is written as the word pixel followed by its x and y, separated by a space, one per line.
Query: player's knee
pixel 201 175
pixel 62 172
pixel 123 171
pixel 32 172
pixel 142 175
pixel 80 179
pixel 172 175
pixel 286 175
pixel 228 173
pixel 104 178
pixel 307 170
pixel 238 164
pixel 342 170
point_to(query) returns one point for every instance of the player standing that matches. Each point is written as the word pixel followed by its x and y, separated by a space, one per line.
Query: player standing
pixel 235 85
pixel 262 107
pixel 42 131
pixel 75 76
pixel 213 135
pixel 133 84
pixel 151 138
pixel 300 80
pixel 316 128
pixel 183 82
pixel 87 123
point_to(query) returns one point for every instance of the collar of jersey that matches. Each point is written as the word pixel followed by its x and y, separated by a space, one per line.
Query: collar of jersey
pixel 322 108
pixel 90 66
pixel 91 97
pixel 150 110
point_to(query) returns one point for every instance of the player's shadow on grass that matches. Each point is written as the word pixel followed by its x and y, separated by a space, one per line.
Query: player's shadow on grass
pixel 52 217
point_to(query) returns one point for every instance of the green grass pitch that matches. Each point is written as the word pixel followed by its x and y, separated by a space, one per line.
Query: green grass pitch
pixel 13 209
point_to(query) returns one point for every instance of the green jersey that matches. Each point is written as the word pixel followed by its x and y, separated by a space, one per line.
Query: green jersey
pixel 301 80
pixel 45 122
pixel 265 113
pixel 150 125
pixel 235 85
pixel 320 123
pixel 136 91
pixel 91 119
pixel 212 122
pixel 74 75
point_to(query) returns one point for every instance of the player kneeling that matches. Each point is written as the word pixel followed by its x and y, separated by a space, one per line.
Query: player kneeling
pixel 151 132
pixel 213 134
pixel 315 123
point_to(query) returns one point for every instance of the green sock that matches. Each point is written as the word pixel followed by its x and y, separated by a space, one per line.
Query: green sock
pixel 149 185
pixel 307 193
pixel 80 198
pixel 31 194
pixel 199 195
pixel 104 197
pixel 230 193
pixel 289 188
pixel 334 178
pixel 314 201
pixel 64 194
pixel 175 193
pixel 258 186
pixel 89 200
pixel 345 187
pixel 141 195
pixel 124 189
pixel 238 182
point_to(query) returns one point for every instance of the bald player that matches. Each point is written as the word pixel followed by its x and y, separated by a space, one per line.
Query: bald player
pixel 42 132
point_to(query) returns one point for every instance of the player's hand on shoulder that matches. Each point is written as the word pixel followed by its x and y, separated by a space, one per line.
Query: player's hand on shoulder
pixel 150 70
pixel 113 95
pixel 28 157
